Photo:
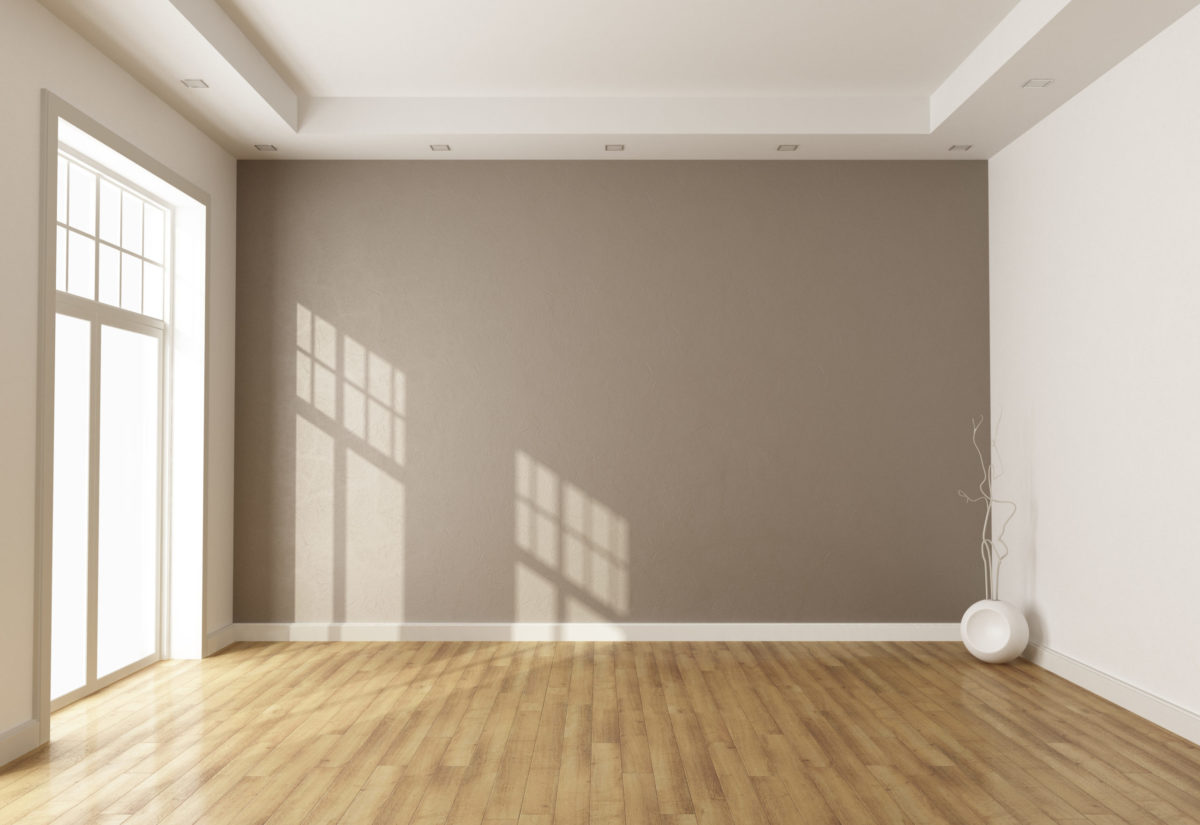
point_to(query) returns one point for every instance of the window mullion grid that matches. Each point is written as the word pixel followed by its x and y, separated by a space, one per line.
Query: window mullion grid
pixel 94 236
pixel 96 229
pixel 142 229
pixel 121 249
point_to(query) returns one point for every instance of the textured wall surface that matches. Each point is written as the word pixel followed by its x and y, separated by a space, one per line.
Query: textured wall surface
pixel 618 391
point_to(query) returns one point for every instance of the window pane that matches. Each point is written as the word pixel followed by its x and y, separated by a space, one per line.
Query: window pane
pixel 152 291
pixel 62 189
pixel 110 275
pixel 127 566
pixel 81 265
pixel 60 260
pixel 131 222
pixel 155 234
pixel 131 282
pixel 82 199
pixel 110 212
pixel 69 545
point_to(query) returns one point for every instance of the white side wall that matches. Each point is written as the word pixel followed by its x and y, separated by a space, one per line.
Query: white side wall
pixel 1095 332
pixel 37 51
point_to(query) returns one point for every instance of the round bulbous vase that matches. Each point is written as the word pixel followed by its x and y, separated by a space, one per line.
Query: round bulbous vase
pixel 994 631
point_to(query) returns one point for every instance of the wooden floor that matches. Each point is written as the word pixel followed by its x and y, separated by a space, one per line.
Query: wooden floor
pixel 532 734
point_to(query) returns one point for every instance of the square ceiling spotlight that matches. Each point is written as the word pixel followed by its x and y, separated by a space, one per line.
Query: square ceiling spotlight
pixel 787 147
pixel 1037 82
pixel 614 147
pixel 265 147
pixel 440 147
pixel 194 83
pixel 961 147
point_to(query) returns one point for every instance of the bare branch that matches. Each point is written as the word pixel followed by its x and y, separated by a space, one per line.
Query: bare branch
pixel 1003 552
pixel 992 549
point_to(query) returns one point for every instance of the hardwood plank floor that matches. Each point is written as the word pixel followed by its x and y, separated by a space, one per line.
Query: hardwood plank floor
pixel 605 733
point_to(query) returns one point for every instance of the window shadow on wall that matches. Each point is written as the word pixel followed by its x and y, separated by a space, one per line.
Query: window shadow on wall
pixel 573 552
pixel 351 436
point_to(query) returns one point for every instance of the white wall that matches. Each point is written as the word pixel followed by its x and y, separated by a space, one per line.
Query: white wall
pixel 36 52
pixel 1095 331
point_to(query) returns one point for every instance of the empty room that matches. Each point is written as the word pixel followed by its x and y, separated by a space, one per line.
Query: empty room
pixel 530 413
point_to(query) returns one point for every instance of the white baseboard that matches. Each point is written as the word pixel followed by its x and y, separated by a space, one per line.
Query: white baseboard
pixel 595 632
pixel 1161 712
pixel 220 638
pixel 18 741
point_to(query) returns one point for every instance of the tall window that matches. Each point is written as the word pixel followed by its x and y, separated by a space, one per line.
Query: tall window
pixel 112 278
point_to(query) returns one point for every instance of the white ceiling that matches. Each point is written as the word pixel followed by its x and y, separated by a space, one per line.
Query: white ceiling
pixel 617 48
pixel 665 78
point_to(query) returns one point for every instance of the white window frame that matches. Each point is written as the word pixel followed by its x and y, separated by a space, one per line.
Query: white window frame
pixel 99 314
pixel 102 172
pixel 193 581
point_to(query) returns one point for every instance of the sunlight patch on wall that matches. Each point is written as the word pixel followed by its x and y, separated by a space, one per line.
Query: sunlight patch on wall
pixel 350 492
pixel 374 538
pixel 574 551
pixel 537 597
pixel 314 521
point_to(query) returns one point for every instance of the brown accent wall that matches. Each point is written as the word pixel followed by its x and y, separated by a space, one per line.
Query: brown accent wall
pixel 619 391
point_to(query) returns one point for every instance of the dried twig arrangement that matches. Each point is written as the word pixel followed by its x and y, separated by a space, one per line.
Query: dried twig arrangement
pixel 993 550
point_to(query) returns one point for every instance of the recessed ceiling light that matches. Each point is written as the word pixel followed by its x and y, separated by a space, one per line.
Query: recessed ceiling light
pixel 194 83
pixel 440 147
pixel 787 147
pixel 1038 82
pixel 614 147
pixel 961 147
pixel 265 147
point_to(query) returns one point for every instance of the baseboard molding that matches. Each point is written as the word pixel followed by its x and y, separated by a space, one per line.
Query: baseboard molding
pixel 1161 712
pixel 594 632
pixel 220 638
pixel 18 741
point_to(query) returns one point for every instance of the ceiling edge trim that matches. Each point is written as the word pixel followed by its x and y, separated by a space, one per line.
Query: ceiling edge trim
pixel 215 26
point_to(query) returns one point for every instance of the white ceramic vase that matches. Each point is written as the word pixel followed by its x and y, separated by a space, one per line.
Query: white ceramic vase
pixel 994 631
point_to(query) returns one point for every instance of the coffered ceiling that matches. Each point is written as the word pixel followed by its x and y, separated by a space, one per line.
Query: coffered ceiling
pixel 661 79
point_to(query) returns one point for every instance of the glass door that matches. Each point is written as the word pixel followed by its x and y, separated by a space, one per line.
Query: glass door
pixel 127 532
pixel 107 504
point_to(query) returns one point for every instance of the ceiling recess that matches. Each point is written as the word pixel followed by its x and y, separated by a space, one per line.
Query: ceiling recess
pixel 379 79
